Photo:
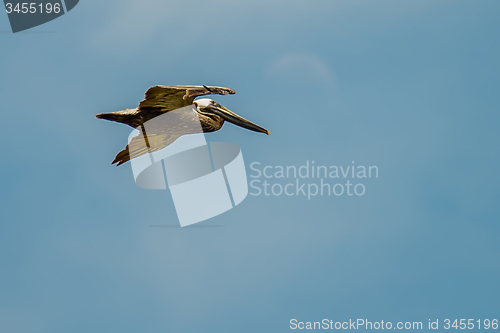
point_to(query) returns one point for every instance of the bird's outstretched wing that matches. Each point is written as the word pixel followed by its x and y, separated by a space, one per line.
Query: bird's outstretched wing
pixel 161 99
pixel 168 98
pixel 140 145
pixel 157 134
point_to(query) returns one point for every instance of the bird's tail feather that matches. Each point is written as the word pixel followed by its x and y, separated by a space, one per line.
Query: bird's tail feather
pixel 124 117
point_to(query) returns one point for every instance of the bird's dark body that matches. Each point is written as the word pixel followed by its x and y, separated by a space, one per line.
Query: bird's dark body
pixel 136 118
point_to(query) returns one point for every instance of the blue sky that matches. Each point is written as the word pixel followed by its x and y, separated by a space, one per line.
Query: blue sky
pixel 411 87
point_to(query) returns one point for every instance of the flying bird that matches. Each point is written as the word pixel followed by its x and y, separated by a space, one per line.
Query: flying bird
pixel 161 99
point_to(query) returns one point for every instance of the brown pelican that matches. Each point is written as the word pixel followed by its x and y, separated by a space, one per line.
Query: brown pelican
pixel 162 99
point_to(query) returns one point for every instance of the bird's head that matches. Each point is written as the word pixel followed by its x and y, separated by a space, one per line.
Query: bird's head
pixel 209 107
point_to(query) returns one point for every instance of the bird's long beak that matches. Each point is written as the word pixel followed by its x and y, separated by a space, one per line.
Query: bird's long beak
pixel 237 120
